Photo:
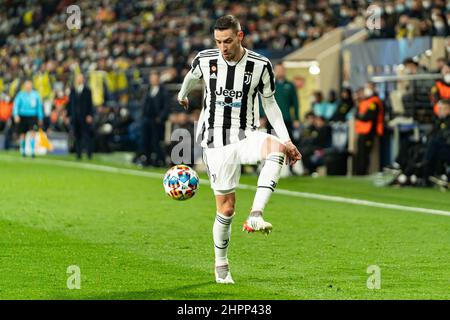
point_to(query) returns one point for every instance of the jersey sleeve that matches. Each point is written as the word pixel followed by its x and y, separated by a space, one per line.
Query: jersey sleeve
pixel 196 71
pixel 267 83
pixel 191 79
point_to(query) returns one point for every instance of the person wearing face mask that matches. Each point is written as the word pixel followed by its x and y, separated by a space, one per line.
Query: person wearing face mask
pixel 441 88
pixel 440 29
pixel 368 124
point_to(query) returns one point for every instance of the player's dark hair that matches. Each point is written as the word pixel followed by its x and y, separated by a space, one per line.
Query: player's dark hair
pixel 227 22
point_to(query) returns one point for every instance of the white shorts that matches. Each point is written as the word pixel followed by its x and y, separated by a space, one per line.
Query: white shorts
pixel 224 163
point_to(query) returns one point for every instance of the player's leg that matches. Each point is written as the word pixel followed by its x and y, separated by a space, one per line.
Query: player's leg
pixel 225 204
pixel 224 173
pixel 273 152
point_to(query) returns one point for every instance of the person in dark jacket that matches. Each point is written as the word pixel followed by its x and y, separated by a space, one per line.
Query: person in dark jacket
pixel 437 153
pixel 80 112
pixel 320 140
pixel 155 113
pixel 345 105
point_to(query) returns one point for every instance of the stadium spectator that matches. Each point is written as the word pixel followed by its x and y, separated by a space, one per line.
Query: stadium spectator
pixel 315 146
pixel 332 103
pixel 307 128
pixel 437 154
pixel 155 113
pixel 121 40
pixel 6 107
pixel 368 124
pixel 440 63
pixel 28 115
pixel 80 114
pixel 324 109
pixel 104 129
pixel 345 105
pixel 59 112
pixel 441 88
pixel 286 97
pixel 416 98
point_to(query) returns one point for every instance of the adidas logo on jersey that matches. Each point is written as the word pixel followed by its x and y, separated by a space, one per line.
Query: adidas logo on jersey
pixel 229 93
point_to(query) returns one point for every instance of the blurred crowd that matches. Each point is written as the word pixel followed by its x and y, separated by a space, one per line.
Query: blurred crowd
pixel 419 113
pixel 124 46
pixel 412 18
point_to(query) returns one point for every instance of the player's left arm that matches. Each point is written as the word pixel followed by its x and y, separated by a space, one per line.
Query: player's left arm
pixel 273 112
pixel 275 118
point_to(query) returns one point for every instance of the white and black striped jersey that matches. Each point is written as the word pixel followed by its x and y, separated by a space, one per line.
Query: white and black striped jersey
pixel 230 99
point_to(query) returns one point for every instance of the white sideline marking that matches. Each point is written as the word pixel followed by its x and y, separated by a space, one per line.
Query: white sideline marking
pixel 104 168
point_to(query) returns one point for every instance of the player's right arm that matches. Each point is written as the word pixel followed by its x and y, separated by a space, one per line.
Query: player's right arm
pixel 190 80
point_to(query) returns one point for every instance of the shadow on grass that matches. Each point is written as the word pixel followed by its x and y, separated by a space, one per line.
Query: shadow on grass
pixel 186 292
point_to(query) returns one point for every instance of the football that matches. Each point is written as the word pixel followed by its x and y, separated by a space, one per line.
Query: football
pixel 181 182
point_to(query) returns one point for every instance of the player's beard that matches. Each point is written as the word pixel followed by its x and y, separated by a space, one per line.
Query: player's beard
pixel 232 53
pixel 230 56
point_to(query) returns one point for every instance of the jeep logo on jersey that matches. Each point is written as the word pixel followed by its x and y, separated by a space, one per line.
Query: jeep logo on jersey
pixel 229 93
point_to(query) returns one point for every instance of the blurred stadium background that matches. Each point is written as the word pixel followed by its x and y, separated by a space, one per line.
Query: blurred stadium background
pixel 331 50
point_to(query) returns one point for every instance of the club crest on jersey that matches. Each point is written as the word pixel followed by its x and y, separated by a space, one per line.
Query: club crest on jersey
pixel 247 77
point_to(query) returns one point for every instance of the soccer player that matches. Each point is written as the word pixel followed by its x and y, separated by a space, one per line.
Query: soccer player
pixel 28 114
pixel 233 77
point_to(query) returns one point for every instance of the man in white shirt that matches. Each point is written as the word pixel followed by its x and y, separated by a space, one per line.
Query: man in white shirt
pixel 233 77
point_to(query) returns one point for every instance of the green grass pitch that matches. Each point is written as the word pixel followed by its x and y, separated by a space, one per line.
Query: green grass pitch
pixel 131 241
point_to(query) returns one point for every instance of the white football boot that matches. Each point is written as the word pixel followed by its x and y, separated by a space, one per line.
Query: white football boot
pixel 223 274
pixel 256 223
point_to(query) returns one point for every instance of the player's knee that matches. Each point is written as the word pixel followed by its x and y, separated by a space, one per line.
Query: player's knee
pixel 226 204
pixel 228 211
pixel 277 146
pixel 281 148
pixel 273 145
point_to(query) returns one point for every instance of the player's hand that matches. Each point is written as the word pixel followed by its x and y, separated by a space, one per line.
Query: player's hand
pixel 184 103
pixel 16 119
pixel 293 155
